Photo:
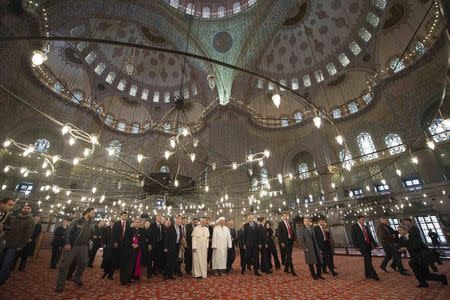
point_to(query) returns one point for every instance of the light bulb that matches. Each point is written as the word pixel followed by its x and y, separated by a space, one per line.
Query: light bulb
pixel 22 170
pixel 110 151
pixel 71 141
pixel 206 188
pixel 75 161
pixel 167 154
pixel 213 166
pixel 102 198
pixel 4 187
pixel 340 139
pixel 261 163
pixel 26 173
pixel 276 98
pixel 415 160
pixel 65 129
pixel 192 157
pixel 38 58
pixel 399 172
pixel 172 142
pixel 317 121
pixel 86 152
pixel 368 188
pixel 140 157
pixel 446 123
pixel 175 183
pixel 291 176
pixel 430 144
pixel 55 158
pixel 94 190
pixel 68 193
pixel 195 143
pixel 383 181
pixel 44 165
pixel 267 153
pixel 250 157
pixel 94 139
pixel 234 165
pixel 48 173
pixel 6 169
pixel 185 132
pixel 7 143
pixel 333 185
pixel 280 178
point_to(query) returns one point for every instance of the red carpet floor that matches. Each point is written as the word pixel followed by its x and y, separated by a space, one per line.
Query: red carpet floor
pixel 38 282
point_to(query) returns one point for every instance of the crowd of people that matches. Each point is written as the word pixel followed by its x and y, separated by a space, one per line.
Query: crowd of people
pixel 163 245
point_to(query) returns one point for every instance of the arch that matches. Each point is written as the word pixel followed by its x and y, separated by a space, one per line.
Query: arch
pixel 366 146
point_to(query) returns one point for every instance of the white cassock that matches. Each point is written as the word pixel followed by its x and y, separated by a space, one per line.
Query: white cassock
pixel 221 241
pixel 200 242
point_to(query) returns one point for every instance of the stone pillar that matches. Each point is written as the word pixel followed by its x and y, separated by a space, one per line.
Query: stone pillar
pixel 325 183
pixel 428 167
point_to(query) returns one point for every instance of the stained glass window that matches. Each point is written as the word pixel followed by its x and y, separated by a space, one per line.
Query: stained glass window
pixel 303 172
pixel 41 145
pixel 394 143
pixel 438 130
pixel 366 146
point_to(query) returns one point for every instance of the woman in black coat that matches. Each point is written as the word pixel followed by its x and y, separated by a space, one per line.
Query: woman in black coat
pixel 272 249
pixel 107 262
pixel 170 249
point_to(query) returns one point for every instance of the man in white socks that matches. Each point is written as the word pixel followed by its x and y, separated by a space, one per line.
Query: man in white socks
pixel 221 242
pixel 200 243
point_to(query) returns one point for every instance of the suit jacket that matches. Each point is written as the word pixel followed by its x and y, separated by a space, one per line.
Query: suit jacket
pixel 189 229
pixel 414 245
pixel 385 234
pixel 320 238
pixel 283 233
pixel 414 231
pixel 58 236
pixel 359 240
pixel 170 239
pixel 117 232
pixel 310 246
pixel 240 237
pixel 251 237
pixel 156 236
pixel 262 235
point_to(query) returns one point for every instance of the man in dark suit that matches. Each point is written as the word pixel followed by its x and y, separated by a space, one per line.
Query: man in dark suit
pixel 231 255
pixel 252 244
pixel 120 229
pixel 58 242
pixel 156 235
pixel 98 242
pixel 170 248
pixel 264 246
pixel 364 241
pixel 324 244
pixel 420 258
pixel 286 238
pixel 412 229
pixel 188 251
pixel 311 248
pixel 30 247
pixel 241 235
pixel 386 235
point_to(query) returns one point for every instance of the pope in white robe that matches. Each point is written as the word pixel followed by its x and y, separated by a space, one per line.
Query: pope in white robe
pixel 200 243
pixel 221 242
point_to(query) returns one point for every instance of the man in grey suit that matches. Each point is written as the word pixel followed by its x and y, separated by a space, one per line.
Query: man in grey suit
pixel 311 249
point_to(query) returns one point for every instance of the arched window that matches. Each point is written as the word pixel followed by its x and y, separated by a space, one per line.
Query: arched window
pixel 221 11
pixel 90 57
pixel 121 126
pixel 81 46
pixel 284 122
pixel 122 84
pixel 190 9
pixel 396 65
pixel 206 12
pixel 352 107
pixel 364 34
pixel 144 95
pixel 368 97
pixel 109 120
pixel 164 169
pixel 346 159
pixel 58 87
pixel 306 80
pixel 366 146
pixel 167 127
pixel 355 48
pixel 110 78
pixel 77 96
pixel 115 146
pixel 236 7
pixel 394 143
pixel 294 83
pixel 41 145
pixel 166 97
pixel 133 90
pixel 438 130
pixel 76 31
pixel 99 68
pixel 135 128
pixel 174 3
pixel 343 59
pixel 156 96
pixel 420 48
pixel 303 172
pixel 298 117
pixel 264 176
pixel 255 183
pixel 337 113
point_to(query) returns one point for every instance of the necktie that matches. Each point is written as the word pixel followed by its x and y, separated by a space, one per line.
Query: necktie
pixel 366 236
pixel 324 235
pixel 160 233
pixel 123 229
pixel 289 230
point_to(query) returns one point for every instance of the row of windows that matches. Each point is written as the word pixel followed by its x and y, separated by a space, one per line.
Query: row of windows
pixel 206 11
pixel 133 91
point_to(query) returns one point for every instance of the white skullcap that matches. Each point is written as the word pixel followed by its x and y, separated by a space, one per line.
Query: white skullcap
pixel 221 219
pixel 212 223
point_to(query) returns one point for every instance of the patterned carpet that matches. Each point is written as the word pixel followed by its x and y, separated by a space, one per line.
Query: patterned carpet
pixel 39 280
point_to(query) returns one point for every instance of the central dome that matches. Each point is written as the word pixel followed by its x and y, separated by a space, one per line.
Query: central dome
pixel 210 9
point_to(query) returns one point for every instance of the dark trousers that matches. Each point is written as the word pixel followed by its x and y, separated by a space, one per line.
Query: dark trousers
pixel 7 261
pixel 369 271
pixel 171 263
pixel 264 262
pixel 188 259
pixel 288 265
pixel 272 251
pixel 92 253
pixel 231 256
pixel 282 254
pixel 157 259
pixel 422 273
pixel 252 256
pixel 391 253
pixel 209 256
pixel 326 259
pixel 56 255
pixel 243 257
pixel 23 261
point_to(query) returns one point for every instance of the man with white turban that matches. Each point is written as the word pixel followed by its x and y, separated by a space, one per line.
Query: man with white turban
pixel 200 244
pixel 221 242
